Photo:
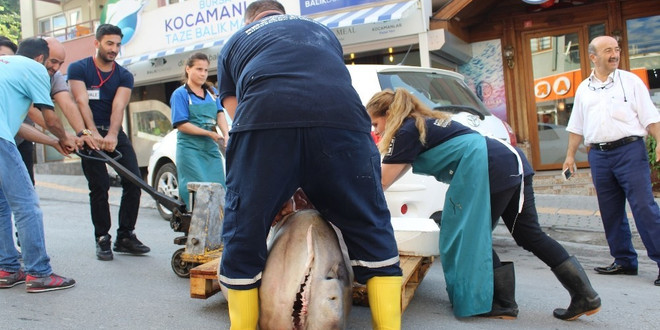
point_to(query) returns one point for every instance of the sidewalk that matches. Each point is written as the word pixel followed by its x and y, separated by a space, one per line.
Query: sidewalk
pixel 557 213
pixel 73 188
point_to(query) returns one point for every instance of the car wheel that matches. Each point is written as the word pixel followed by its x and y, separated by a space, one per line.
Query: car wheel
pixel 437 217
pixel 167 184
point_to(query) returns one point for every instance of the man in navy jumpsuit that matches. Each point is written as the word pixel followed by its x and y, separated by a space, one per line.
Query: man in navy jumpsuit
pixel 298 122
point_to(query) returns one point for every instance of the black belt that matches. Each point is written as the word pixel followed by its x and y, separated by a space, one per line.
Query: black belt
pixel 606 146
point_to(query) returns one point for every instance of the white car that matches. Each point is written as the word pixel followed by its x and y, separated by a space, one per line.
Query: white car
pixel 413 196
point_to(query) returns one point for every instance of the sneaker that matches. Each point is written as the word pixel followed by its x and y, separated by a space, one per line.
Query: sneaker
pixel 48 283
pixel 131 245
pixel 103 251
pixel 9 280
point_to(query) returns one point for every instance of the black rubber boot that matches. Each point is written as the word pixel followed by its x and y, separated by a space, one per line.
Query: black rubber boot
pixel 504 293
pixel 584 299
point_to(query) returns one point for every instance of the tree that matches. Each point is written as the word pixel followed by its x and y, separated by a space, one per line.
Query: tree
pixel 10 19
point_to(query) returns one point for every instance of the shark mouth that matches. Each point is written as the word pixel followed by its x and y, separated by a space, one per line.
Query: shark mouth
pixel 299 314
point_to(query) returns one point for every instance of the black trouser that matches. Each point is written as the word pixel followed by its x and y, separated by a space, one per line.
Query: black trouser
pixel 98 182
pixel 524 227
pixel 26 148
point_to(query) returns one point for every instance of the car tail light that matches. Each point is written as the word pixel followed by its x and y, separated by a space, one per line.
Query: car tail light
pixel 375 137
pixel 404 209
pixel 512 135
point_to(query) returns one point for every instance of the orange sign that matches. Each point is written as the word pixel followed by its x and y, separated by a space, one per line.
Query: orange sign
pixel 558 86
pixel 563 85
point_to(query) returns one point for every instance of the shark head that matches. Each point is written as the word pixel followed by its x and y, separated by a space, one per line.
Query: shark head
pixel 307 281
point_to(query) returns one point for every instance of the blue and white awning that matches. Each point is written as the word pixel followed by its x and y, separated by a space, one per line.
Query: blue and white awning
pixel 382 13
pixel 144 57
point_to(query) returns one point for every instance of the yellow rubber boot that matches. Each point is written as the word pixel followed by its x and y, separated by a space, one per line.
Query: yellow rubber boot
pixel 243 308
pixel 385 302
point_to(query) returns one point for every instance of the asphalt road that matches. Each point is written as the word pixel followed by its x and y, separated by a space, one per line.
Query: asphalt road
pixel 142 292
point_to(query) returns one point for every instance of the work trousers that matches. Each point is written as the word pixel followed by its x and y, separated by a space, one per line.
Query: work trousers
pixel 339 171
pixel 98 182
pixel 524 226
pixel 619 174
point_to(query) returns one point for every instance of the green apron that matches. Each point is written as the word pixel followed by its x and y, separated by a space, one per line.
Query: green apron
pixel 198 157
pixel 465 233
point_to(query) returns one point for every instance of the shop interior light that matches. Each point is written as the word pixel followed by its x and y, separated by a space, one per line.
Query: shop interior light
pixel 508 53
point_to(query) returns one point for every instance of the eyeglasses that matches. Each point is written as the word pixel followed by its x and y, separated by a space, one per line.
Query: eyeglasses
pixel 606 86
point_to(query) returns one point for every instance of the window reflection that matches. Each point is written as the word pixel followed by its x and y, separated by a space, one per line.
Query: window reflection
pixel 644 52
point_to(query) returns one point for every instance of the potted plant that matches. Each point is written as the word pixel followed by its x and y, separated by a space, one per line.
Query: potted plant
pixel 651 143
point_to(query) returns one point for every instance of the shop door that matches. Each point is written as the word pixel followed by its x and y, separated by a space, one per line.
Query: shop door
pixel 559 62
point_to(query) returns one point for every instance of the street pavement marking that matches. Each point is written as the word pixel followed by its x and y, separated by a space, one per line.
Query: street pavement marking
pixel 576 212
pixel 61 187
pixel 588 213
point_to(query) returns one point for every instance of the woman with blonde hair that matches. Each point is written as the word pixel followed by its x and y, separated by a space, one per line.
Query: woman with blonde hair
pixel 196 112
pixel 488 179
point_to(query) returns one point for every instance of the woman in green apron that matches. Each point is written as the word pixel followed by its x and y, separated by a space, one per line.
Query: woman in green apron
pixel 413 134
pixel 196 112
pixel 458 156
pixel 434 145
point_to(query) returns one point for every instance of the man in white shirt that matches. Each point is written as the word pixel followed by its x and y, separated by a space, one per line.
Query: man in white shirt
pixel 612 113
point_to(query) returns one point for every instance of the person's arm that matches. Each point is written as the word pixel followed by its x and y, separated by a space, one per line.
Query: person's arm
pixel 191 129
pixel 30 133
pixel 230 103
pixel 392 172
pixel 119 104
pixel 574 141
pixel 35 115
pixel 73 116
pixel 54 125
pixel 79 92
pixel 224 127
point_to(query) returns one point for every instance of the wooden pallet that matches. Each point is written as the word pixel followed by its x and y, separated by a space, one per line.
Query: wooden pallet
pixel 204 280
pixel 414 269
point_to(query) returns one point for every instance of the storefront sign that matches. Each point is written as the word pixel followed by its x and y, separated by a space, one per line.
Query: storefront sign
pixel 184 24
pixel 353 34
pixel 309 7
pixel 563 85
pixel 559 86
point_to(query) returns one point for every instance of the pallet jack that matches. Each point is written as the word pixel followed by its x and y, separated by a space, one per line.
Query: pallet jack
pixel 201 228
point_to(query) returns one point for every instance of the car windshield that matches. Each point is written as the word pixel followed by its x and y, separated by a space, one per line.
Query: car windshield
pixel 437 91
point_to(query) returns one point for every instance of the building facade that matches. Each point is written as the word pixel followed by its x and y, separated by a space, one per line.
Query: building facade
pixel 524 58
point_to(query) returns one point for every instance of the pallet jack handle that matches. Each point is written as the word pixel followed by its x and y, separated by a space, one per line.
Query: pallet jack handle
pixel 176 206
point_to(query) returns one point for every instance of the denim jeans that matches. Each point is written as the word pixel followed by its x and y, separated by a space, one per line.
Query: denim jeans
pixel 99 184
pixel 17 195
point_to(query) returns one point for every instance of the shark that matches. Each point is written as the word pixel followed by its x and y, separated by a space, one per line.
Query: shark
pixel 307 281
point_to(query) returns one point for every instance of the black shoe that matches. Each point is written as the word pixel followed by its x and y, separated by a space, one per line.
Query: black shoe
pixel 103 251
pixel 615 269
pixel 657 280
pixel 131 245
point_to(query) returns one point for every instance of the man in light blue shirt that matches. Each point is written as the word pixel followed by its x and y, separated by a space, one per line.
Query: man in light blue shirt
pixel 24 81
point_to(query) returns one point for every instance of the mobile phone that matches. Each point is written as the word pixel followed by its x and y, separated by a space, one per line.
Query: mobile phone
pixel 566 174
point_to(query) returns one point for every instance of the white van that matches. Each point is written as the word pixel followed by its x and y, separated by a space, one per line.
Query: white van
pixel 412 195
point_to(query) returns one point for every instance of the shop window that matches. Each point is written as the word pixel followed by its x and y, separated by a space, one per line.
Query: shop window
pixel 644 52
pixel 44 25
pixel 541 44
pixel 63 25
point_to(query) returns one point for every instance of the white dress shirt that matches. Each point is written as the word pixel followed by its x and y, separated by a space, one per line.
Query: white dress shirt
pixel 611 110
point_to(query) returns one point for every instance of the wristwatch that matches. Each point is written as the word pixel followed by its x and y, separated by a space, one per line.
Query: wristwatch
pixel 84 132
